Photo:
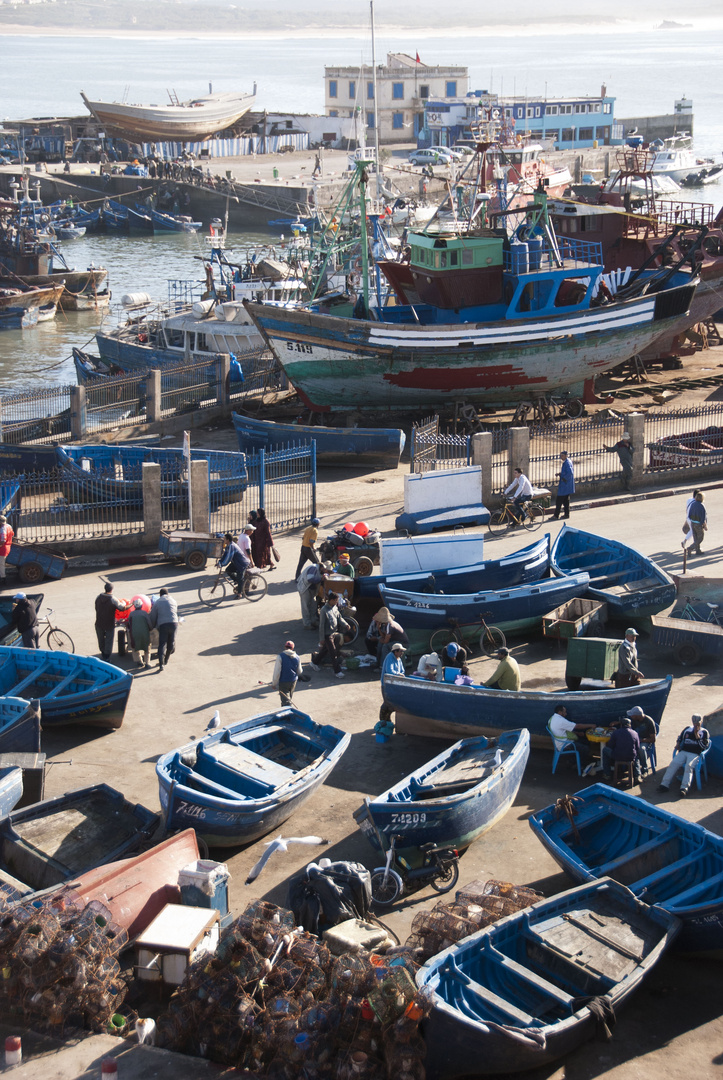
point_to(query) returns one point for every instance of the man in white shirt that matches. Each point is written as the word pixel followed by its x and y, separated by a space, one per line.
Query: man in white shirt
pixel 521 491
pixel 564 733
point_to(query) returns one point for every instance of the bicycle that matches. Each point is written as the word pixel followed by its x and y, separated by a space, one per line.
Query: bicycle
pixel 213 590
pixel 501 521
pixel 689 612
pixel 490 641
pixel 56 639
pixel 545 410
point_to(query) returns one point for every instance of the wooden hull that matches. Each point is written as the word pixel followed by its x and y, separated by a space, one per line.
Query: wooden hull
pixel 232 786
pixel 19 726
pixel 633 586
pixel 71 689
pixel 57 839
pixel 377 448
pixel 451 711
pixel 34 296
pixel 513 996
pixel 11 788
pixel 85 301
pixel 522 567
pixel 172 123
pixel 669 861
pixel 455 818
pixel 512 610
pixel 335 363
pixel 137 889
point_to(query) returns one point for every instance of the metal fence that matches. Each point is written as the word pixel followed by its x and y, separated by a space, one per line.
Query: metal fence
pixel 690 437
pixel 283 482
pixel 432 450
pixel 186 389
pixel 117 401
pixel 52 508
pixel 36 416
pixel 584 441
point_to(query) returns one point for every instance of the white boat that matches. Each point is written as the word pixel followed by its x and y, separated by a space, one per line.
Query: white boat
pixel 678 164
pixel 196 119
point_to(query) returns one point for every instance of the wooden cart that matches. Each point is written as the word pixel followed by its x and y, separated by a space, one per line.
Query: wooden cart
pixel 192 548
pixel 575 619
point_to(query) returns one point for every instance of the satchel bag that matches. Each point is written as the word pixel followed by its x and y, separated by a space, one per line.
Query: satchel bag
pixel 686 526
pixel 275 553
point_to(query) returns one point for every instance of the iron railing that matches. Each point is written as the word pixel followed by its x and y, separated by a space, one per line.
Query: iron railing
pixel 584 441
pixel 53 508
pixel 36 416
pixel 114 402
pixel 283 482
pixel 431 451
pixel 686 438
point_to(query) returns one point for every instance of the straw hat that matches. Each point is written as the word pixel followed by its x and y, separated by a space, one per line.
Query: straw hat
pixel 383 615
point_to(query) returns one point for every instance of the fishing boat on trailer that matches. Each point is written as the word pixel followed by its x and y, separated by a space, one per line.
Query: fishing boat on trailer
pixel 453 799
pixel 529 988
pixel 51 841
pixel 511 610
pixel 11 788
pixel 71 689
pixel 662 858
pixel 19 726
pixel 492 321
pixel 238 783
pixel 443 710
pixel 376 448
pixel 633 586
pixel 529 564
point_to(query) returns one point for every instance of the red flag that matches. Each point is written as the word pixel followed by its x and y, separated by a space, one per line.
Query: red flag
pixel 418 60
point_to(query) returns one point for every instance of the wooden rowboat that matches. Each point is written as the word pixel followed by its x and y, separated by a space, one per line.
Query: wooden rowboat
pixel 451 800
pixel 239 782
pixel 529 988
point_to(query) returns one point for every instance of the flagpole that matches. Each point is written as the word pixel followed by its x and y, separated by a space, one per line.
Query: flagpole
pixel 376 103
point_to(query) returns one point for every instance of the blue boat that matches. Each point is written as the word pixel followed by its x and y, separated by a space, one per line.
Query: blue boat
pixel 91 220
pixel 239 782
pixel 662 858
pixel 511 610
pixel 21 459
pixel 51 841
pixel 11 788
pixel 448 711
pixel 520 568
pixel 376 448
pixel 633 586
pixel 71 689
pixel 174 222
pixel 528 989
pixel 451 800
pixel 19 726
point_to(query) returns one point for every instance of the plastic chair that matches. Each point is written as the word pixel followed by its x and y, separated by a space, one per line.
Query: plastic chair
pixel 701 767
pixel 568 748
pixel 652 753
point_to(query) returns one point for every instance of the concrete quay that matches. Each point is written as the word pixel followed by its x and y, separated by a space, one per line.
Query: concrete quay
pixel 224 660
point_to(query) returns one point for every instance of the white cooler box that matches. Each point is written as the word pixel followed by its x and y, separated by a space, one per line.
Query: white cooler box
pixel 176 937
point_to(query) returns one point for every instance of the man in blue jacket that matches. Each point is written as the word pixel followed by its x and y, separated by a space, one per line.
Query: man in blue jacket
pixel 287 671
pixel 565 488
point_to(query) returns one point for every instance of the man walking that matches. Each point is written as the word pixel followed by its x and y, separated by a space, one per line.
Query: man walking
pixel 331 629
pixel 25 618
pixel 308 584
pixel 691 743
pixel 308 551
pixel 565 488
pixel 164 616
pixel 628 673
pixel 106 606
pixel 625 450
pixel 139 629
pixel 287 671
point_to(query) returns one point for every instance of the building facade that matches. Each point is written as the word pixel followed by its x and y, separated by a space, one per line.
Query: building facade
pixel 404 86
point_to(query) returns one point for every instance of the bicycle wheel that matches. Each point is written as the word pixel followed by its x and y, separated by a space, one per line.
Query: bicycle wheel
pixel 491 639
pixel 499 522
pixel 387 886
pixel 255 587
pixel 213 590
pixel 534 516
pixel 573 408
pixel 353 632
pixel 449 874
pixel 440 639
pixel 59 641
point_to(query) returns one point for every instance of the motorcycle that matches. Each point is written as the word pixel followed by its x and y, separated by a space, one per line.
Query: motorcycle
pixel 439 868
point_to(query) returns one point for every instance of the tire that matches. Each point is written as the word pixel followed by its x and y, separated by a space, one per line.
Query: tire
pixel 499 522
pixel 450 874
pixel 255 587
pixel 573 408
pixel 534 517
pixel 364 566
pixel 440 639
pixel 492 639
pixel 196 560
pixel 59 641
pixel 687 654
pixel 211 591
pixel 30 573
pixel 384 894
pixel 353 633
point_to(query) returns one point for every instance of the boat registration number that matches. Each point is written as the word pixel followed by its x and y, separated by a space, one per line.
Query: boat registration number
pixel 406 819
pixel 298 346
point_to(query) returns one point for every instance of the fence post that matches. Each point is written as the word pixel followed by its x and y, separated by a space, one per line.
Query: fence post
pixel 152 513
pixel 223 372
pixel 636 429
pixel 482 456
pixel 262 476
pixel 78 415
pixel 153 396
pixel 518 452
pixel 200 521
pixel 313 477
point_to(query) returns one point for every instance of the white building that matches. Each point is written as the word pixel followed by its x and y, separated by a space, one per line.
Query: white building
pixel 404 84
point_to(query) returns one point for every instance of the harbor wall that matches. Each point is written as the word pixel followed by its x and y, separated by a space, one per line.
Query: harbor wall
pixel 659 127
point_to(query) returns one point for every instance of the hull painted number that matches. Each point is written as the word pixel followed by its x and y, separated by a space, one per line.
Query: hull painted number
pixel 408 819
pixel 298 346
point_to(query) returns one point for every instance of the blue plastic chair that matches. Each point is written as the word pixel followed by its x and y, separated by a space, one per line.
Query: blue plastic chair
pixel 568 748
pixel 651 752
pixel 701 767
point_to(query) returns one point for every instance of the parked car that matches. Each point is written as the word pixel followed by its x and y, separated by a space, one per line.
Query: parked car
pixel 429 157
pixel 466 149
pixel 452 151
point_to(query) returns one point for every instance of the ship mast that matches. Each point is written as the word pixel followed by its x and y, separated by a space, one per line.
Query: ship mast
pixel 376 104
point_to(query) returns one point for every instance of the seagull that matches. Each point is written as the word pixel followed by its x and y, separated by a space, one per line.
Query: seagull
pixel 214 722
pixel 279 844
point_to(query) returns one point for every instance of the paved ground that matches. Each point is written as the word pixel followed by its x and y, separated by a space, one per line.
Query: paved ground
pixel 224 661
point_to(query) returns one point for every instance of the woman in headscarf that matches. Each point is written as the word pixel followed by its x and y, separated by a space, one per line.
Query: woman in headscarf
pixel 262 542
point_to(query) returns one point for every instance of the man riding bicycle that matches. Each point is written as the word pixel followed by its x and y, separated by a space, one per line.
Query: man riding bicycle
pixel 236 557
pixel 521 491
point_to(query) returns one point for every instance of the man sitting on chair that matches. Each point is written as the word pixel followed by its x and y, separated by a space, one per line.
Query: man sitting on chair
pixel 564 733
pixel 623 745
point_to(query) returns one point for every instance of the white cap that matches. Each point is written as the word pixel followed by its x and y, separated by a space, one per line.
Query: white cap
pixel 249 528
